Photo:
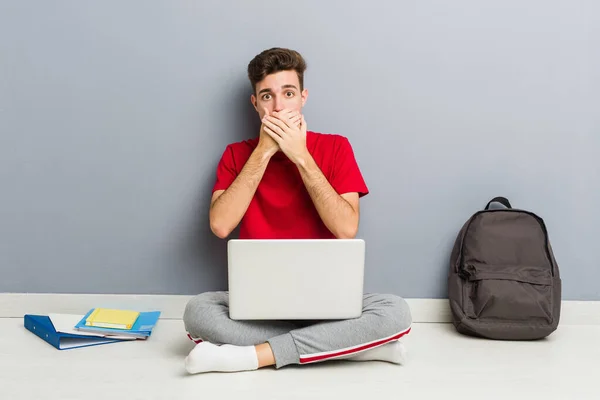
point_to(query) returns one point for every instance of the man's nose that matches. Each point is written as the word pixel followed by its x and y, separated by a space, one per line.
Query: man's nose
pixel 278 104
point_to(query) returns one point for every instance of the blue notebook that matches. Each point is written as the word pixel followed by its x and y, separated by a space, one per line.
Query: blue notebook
pixel 42 326
pixel 141 329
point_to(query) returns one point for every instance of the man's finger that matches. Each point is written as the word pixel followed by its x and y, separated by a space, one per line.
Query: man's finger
pixel 273 135
pixel 286 114
pixel 276 125
pixel 283 113
pixel 277 121
pixel 288 118
pixel 293 114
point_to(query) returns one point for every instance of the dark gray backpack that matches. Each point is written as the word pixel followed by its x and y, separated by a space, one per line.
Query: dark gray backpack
pixel 504 281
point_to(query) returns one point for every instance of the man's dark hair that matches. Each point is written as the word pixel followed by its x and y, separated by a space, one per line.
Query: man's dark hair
pixel 275 60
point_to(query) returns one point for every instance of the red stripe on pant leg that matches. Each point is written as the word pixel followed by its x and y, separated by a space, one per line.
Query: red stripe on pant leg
pixel 194 340
pixel 305 360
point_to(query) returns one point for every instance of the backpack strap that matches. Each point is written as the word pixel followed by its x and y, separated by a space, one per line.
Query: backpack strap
pixel 502 200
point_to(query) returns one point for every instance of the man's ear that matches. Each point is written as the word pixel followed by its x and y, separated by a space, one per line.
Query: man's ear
pixel 253 101
pixel 304 96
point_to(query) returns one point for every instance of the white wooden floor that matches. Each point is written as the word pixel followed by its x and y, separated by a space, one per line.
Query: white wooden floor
pixel 441 365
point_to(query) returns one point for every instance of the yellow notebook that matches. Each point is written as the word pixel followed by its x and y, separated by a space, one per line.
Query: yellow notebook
pixel 109 318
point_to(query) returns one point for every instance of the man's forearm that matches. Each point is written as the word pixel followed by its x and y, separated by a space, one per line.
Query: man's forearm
pixel 337 214
pixel 228 209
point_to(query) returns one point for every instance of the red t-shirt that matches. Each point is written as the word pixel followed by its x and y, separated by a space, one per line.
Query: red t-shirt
pixel 281 207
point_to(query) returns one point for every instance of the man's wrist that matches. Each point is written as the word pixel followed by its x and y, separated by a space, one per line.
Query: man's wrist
pixel 264 153
pixel 305 162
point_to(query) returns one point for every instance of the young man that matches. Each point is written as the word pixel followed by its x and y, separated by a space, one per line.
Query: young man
pixel 288 183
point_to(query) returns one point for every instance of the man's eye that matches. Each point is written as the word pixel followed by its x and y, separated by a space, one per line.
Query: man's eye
pixel 290 94
pixel 266 97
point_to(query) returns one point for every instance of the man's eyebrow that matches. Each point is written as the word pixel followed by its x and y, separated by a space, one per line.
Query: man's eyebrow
pixel 266 90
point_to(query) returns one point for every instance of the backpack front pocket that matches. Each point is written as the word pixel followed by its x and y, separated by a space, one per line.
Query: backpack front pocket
pixel 508 293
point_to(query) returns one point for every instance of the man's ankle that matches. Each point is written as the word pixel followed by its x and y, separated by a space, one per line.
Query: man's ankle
pixel 265 355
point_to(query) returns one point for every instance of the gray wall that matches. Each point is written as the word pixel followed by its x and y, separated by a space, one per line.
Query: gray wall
pixel 113 115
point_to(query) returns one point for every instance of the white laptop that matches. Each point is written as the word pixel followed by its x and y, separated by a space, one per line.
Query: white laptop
pixel 295 279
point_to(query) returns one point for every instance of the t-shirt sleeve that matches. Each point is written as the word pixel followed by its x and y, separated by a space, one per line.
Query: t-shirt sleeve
pixel 346 177
pixel 226 171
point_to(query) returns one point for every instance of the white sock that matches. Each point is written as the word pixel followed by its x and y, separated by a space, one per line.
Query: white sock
pixel 393 352
pixel 207 357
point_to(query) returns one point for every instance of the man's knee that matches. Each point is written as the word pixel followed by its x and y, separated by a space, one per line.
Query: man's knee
pixel 201 311
pixel 401 313
pixel 394 312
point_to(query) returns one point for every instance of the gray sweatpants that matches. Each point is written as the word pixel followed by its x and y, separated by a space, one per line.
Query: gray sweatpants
pixel 385 318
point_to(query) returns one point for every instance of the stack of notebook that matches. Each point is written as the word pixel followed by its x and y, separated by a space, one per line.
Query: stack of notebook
pixel 118 322
pixel 98 326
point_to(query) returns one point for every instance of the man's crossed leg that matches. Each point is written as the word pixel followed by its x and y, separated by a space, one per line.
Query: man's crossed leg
pixel 227 345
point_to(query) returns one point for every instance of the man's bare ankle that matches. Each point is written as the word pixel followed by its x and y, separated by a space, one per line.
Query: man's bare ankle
pixel 265 355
